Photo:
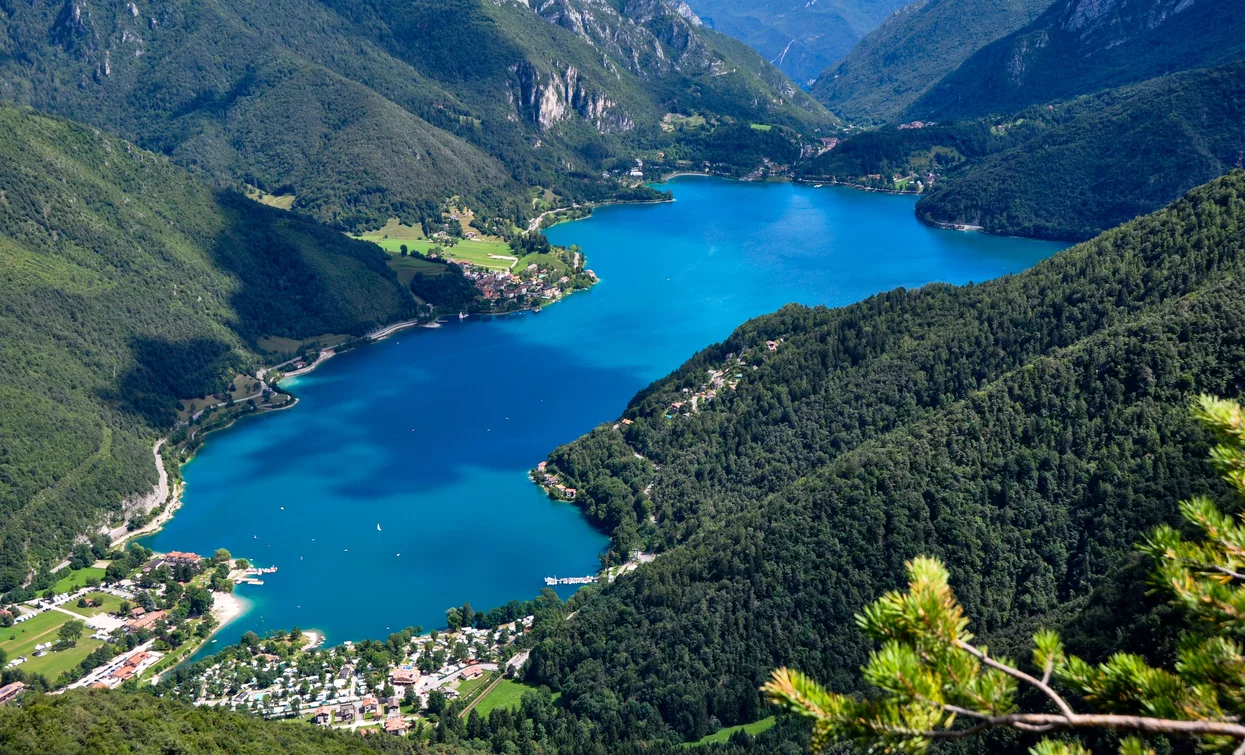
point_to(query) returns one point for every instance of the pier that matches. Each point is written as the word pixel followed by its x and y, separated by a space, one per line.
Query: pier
pixel 569 580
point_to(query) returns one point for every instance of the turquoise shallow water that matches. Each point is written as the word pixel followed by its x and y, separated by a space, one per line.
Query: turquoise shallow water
pixel 430 434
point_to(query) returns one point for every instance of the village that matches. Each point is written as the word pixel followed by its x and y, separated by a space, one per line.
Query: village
pixel 532 285
pixel 116 621
pixel 398 687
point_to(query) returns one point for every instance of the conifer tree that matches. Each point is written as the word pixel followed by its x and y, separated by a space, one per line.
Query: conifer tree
pixel 935 683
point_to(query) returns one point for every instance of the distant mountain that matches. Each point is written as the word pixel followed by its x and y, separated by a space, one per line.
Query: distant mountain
pixel 1082 46
pixel 802 38
pixel 366 109
pixel 128 284
pixel 1106 159
pixel 911 51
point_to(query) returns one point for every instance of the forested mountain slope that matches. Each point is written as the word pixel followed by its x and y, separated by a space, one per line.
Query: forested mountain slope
pixel 1106 158
pixel 116 722
pixel 126 284
pixel 1082 46
pixel 801 38
pixel 911 51
pixel 1025 430
pixel 366 109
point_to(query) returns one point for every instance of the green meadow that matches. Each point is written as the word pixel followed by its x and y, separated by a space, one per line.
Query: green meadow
pixel 722 735
pixel 507 694
pixel 76 578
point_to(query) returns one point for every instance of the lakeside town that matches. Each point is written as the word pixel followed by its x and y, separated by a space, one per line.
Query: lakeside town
pixel 116 616
pixel 137 617
pixel 405 684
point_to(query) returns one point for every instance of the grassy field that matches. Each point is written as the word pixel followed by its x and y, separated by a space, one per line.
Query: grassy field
pixel 107 604
pixel 723 735
pixel 55 663
pixel 674 120
pixel 394 235
pixel 21 639
pixel 761 126
pixel 77 578
pixel 556 267
pixel 243 386
pixel 394 230
pixel 468 687
pixel 475 252
pixel 406 267
pixel 281 202
pixel 507 694
pixel 282 345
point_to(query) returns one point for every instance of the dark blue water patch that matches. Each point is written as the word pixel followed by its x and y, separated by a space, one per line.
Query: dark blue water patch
pixel 429 435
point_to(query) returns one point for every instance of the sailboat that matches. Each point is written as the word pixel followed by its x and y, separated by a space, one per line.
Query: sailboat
pixel 378 527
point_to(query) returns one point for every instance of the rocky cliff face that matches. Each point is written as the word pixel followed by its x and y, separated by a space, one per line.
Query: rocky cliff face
pixel 649 37
pixel 646 38
pixel 99 39
pixel 547 99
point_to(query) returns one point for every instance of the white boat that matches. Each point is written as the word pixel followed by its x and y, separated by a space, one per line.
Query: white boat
pixel 378 527
pixel 818 186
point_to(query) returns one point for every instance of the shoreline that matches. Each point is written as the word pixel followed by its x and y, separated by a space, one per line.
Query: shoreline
pixel 227 607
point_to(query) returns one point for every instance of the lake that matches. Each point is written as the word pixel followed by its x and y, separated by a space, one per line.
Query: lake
pixel 398 487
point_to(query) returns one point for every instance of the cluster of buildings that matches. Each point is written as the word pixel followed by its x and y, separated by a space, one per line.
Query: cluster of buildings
pixel 10 692
pixel 339 687
pixel 532 281
pixel 171 559
pixel 121 669
pixel 553 484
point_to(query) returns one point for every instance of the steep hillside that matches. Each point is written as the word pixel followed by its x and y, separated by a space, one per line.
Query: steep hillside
pixel 116 722
pixel 1106 159
pixel 801 38
pixel 1025 430
pixel 367 109
pixel 127 284
pixel 1081 46
pixel 900 60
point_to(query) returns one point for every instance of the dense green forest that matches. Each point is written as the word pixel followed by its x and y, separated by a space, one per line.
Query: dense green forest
pixel 1077 47
pixel 128 284
pixel 1087 116
pixel 1105 158
pixel 102 723
pixel 1068 170
pixel 1025 430
pixel 911 51
pixel 365 110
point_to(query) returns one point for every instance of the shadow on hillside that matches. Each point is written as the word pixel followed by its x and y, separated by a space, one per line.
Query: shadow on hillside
pixel 167 371
pixel 297 278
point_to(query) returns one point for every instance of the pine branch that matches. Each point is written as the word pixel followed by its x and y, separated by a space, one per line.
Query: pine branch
pixel 1019 675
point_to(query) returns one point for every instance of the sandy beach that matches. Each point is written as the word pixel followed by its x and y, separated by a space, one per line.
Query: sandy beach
pixel 312 639
pixel 227 607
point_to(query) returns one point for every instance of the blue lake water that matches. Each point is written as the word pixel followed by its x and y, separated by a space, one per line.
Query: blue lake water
pixel 430 434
